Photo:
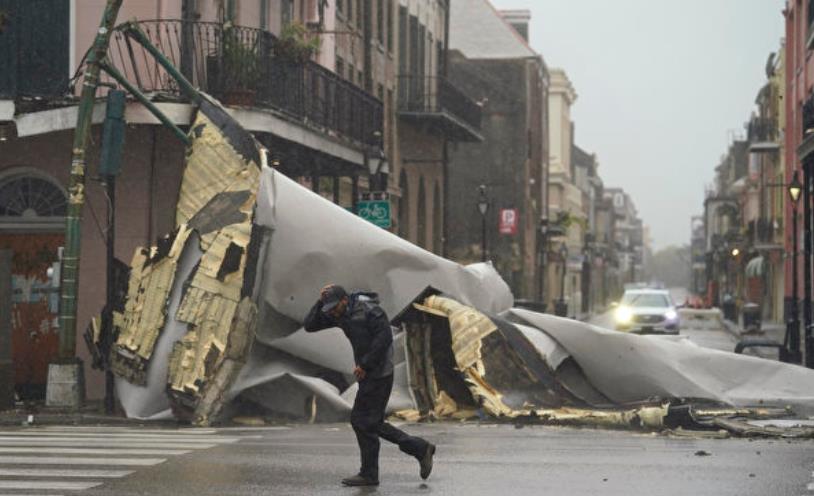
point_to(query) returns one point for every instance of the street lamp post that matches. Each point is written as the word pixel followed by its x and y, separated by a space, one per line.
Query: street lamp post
pixel 793 324
pixel 543 252
pixel 483 207
pixel 561 309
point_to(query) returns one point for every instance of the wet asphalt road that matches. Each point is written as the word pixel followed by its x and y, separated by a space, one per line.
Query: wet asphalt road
pixel 477 460
pixel 472 460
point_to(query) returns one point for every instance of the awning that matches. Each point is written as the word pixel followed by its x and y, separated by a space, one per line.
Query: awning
pixel 755 267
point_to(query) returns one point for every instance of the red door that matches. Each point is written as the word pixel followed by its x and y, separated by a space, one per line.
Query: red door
pixel 35 300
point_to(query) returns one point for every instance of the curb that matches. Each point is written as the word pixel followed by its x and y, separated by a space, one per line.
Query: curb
pixel 20 417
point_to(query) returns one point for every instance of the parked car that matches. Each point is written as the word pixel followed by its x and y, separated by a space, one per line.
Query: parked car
pixel 646 311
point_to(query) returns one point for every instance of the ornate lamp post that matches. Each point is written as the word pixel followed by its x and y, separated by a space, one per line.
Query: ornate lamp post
pixel 483 207
pixel 561 308
pixel 793 324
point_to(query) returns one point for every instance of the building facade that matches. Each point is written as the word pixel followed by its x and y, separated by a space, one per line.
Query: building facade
pixel 320 128
pixel 493 64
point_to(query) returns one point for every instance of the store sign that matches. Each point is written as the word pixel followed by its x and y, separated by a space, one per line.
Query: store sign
pixel 509 218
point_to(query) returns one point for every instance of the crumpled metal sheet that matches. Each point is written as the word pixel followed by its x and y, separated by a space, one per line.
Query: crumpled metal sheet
pixel 205 320
pixel 151 279
pixel 628 368
pixel 260 246
pixel 519 365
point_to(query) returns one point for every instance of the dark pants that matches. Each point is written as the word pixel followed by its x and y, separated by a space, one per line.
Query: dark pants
pixel 367 419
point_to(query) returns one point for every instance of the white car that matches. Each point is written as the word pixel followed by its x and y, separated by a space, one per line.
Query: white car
pixel 646 311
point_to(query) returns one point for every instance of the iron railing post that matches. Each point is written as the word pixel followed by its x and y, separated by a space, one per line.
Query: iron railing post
pixel 115 74
pixel 76 191
pixel 132 29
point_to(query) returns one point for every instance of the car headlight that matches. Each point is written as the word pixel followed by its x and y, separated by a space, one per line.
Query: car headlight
pixel 671 315
pixel 623 315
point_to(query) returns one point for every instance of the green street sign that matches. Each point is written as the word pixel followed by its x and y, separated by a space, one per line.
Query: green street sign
pixel 375 211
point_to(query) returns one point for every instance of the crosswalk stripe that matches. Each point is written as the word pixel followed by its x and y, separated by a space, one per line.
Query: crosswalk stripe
pixel 113 443
pixel 168 437
pixel 67 485
pixel 61 460
pixel 63 472
pixel 84 428
pixel 92 451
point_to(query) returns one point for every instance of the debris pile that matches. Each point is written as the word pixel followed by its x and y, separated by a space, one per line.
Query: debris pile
pixel 212 323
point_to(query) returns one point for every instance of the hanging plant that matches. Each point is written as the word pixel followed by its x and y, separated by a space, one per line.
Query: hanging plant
pixel 3 20
pixel 295 45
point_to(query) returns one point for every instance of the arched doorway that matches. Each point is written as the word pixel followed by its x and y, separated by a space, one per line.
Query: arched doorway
pixel 404 201
pixel 422 215
pixel 437 210
pixel 32 221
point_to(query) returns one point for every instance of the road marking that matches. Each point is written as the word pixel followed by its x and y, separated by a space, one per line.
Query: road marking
pixel 63 472
pixel 113 443
pixel 67 485
pixel 135 436
pixel 80 428
pixel 62 460
pixel 93 451
pixel 82 457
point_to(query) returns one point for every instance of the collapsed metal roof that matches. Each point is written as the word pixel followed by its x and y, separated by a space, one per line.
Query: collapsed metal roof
pixel 213 322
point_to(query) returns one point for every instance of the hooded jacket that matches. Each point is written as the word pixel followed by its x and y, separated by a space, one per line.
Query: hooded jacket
pixel 367 328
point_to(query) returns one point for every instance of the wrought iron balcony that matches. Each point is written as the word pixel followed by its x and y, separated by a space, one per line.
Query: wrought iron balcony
pixel 251 68
pixel 435 100
pixel 763 135
pixel 808 117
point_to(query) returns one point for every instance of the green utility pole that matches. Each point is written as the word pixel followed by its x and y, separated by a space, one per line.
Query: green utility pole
pixel 76 191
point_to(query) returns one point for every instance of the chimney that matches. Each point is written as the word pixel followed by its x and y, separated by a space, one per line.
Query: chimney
pixel 519 20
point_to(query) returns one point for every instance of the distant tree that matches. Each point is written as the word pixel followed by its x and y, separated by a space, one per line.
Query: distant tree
pixel 670 266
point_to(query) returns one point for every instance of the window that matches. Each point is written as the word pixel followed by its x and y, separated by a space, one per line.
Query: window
pixel 264 14
pixel 641 300
pixel 437 219
pixel 350 10
pixel 404 216
pixel 30 197
pixel 380 92
pixel 340 67
pixel 287 11
pixel 380 21
pixel 390 25
pixel 360 78
pixel 402 40
pixel 360 8
pixel 231 10
pixel 340 6
pixel 421 221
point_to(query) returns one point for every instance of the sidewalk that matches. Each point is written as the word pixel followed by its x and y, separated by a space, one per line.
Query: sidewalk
pixel 90 414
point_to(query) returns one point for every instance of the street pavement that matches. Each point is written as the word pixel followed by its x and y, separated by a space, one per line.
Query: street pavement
pixel 472 460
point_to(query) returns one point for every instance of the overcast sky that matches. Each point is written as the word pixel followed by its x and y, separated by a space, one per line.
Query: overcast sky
pixel 661 85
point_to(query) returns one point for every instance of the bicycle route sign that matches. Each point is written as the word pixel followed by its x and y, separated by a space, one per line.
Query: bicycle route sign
pixel 375 211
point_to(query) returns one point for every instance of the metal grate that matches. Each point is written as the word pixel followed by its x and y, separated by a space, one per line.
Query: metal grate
pixel 29 197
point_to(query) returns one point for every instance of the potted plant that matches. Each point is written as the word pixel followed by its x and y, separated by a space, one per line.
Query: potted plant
pixel 239 68
pixel 294 45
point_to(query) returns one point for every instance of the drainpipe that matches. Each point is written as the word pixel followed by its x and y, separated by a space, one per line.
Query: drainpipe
pixel 445 150
pixel 367 31
pixel 65 383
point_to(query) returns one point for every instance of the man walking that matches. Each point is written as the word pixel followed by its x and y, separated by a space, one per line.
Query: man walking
pixel 367 327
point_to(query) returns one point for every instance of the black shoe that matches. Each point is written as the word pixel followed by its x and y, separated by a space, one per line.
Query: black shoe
pixel 426 461
pixel 359 480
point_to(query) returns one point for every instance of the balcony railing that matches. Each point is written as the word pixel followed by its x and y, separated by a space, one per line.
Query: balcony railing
pixel 435 97
pixel 808 117
pixel 762 130
pixel 248 67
